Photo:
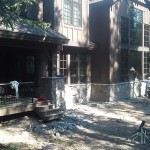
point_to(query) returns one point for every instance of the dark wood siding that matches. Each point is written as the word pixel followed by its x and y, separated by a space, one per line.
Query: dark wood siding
pixel 100 35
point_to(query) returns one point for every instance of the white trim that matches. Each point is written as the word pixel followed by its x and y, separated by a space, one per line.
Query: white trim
pixel 140 48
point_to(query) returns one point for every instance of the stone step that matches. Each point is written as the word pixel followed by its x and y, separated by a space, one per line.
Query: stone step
pixel 50 116
pixel 53 116
pixel 48 102
pixel 44 107
pixel 49 111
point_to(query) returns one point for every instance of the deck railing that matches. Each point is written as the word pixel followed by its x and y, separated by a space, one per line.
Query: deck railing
pixel 8 94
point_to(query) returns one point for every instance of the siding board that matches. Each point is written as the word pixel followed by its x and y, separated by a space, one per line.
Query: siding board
pixel 79 36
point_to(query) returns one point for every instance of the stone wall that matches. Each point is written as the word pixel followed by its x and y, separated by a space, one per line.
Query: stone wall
pixel 52 88
pixel 77 93
pixel 65 96
pixel 112 92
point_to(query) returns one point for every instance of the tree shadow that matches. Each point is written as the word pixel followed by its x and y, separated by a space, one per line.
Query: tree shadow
pixel 109 134
pixel 93 125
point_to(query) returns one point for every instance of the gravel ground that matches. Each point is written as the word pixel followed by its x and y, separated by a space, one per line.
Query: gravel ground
pixel 92 126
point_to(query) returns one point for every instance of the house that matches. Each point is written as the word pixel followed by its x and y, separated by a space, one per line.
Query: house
pixel 120 30
pixel 71 18
pixel 31 55
pixel 94 64
pixel 26 56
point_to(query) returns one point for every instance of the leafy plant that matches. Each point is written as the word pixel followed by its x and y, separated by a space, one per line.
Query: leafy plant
pixel 10 10
pixel 37 24
pixel 8 148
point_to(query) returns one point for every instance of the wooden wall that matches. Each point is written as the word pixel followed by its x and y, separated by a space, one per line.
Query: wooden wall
pixel 100 35
pixel 105 33
pixel 79 36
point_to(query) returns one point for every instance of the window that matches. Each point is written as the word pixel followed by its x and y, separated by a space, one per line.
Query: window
pixel 62 64
pixel 132 28
pixel 135 58
pixel 146 35
pixel 82 67
pixel 124 65
pixel 130 59
pixel 124 30
pixel 136 19
pixel 146 62
pixel 78 68
pixel 72 12
pixel 76 71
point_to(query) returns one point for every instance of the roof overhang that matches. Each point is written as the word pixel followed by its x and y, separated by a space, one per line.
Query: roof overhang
pixel 24 31
pixel 104 2
pixel 146 4
pixel 111 2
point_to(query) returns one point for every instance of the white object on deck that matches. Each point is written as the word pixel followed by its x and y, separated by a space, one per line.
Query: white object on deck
pixel 14 85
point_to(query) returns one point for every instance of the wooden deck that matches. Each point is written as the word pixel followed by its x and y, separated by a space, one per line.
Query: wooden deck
pixel 11 100
pixel 11 104
pixel 16 108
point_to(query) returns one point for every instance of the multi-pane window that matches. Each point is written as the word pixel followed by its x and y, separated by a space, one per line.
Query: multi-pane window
pixel 132 28
pixel 82 67
pixel 68 12
pixel 146 35
pixel 74 68
pixel 76 71
pixel 129 60
pixel 135 58
pixel 62 64
pixel 77 12
pixel 72 12
pixel 78 68
pixel 124 65
pixel 136 19
pixel 146 62
pixel 124 30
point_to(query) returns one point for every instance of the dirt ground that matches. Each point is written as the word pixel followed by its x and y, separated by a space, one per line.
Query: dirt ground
pixel 92 126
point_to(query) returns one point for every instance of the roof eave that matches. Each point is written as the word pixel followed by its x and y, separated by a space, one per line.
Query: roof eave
pixel 104 2
pixel 32 37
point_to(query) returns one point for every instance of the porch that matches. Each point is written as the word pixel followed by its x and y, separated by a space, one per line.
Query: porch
pixel 20 97
pixel 10 104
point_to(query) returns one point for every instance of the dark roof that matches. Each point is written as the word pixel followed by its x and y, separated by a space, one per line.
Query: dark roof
pixel 146 3
pixel 24 31
pixel 103 1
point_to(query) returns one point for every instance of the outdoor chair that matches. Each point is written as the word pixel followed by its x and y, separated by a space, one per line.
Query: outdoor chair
pixel 141 133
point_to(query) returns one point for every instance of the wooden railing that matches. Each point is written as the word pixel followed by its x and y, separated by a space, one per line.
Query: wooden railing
pixel 8 94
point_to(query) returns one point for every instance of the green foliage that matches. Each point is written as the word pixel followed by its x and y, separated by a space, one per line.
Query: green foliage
pixel 14 6
pixel 10 12
pixel 9 148
pixel 37 24
pixel 13 147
